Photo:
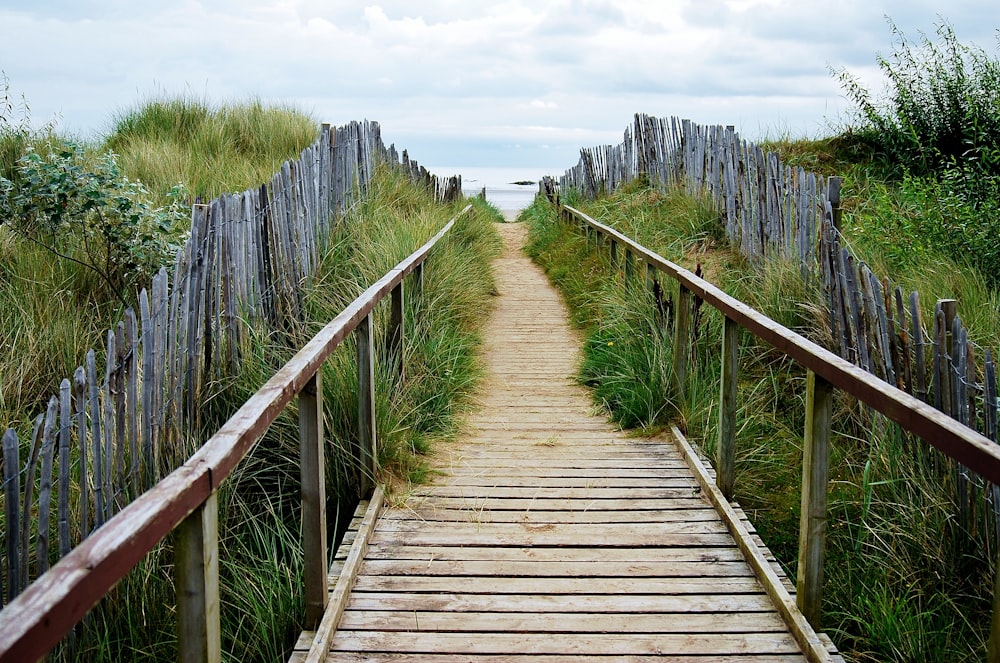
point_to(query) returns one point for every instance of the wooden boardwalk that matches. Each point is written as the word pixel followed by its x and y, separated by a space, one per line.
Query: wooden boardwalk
pixel 550 533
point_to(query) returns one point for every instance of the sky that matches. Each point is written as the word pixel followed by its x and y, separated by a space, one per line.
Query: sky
pixel 514 83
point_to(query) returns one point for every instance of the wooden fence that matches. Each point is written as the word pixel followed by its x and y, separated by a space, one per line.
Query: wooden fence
pixel 774 211
pixel 825 372
pixel 185 502
pixel 241 272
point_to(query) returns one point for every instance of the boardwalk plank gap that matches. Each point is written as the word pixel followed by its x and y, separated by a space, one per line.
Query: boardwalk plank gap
pixel 548 532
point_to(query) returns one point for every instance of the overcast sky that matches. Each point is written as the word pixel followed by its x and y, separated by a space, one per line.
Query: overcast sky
pixel 470 82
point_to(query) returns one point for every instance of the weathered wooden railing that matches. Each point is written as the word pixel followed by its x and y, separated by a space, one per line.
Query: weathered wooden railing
pixel 825 371
pixel 185 501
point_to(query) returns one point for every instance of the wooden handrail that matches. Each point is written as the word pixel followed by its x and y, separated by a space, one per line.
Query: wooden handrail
pixel 951 437
pixel 825 371
pixel 34 622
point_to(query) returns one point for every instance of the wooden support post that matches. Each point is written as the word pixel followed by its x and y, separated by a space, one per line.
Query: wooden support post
pixel 650 276
pixel 682 339
pixel 815 476
pixel 629 261
pixel 613 252
pixel 313 471
pixel 196 579
pixel 397 331
pixel 418 283
pixel 366 406
pixel 725 452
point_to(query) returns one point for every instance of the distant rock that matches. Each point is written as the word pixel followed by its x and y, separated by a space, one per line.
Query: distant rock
pixel 525 183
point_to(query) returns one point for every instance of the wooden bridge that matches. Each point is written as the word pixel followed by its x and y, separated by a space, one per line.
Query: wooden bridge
pixel 548 533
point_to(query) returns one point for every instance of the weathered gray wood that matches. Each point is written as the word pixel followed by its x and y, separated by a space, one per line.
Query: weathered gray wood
pixel 96 439
pixel 130 378
pixel 12 507
pixel 367 441
pixel 45 486
pixel 65 427
pixel 313 473
pixel 396 335
pixel 27 503
pixel 108 451
pixel 196 559
pixel 80 397
pixel 815 476
pixel 726 445
pixel 682 339
pixel 320 646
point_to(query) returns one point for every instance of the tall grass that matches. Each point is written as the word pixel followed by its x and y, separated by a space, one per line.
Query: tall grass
pixel 260 549
pixel 210 150
pixel 899 585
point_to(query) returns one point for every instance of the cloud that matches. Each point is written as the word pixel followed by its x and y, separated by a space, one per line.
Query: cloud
pixel 467 77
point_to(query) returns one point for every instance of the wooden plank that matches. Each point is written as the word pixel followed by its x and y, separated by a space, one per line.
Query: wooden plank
pixel 554 586
pixel 487 483
pixel 11 502
pixel 345 583
pixel 560 493
pixel 608 603
pixel 555 569
pixel 396 657
pixel 494 503
pixel 637 515
pixel 488 623
pixel 650 555
pixel 812 646
pixel 574 644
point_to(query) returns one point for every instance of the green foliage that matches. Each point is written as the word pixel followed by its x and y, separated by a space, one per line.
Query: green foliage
pixel 938 133
pixel 87 211
pixel 212 150
pixel 943 105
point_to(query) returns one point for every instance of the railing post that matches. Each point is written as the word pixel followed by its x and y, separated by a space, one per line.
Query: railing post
pixel 725 451
pixel 397 333
pixel 312 468
pixel 682 338
pixel 650 276
pixel 199 632
pixel 993 654
pixel 629 260
pixel 418 284
pixel 815 476
pixel 366 406
pixel 613 252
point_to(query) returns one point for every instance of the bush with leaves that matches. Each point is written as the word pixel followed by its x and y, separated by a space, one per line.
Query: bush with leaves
pixel 942 107
pixel 938 131
pixel 87 211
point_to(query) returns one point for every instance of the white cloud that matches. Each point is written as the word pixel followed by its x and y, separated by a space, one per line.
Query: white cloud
pixel 468 78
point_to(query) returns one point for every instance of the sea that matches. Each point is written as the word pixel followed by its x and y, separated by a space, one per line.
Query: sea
pixel 501 183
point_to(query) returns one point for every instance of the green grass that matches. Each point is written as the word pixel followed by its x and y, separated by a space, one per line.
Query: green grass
pixel 52 310
pixel 260 555
pixel 210 150
pixel 899 584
